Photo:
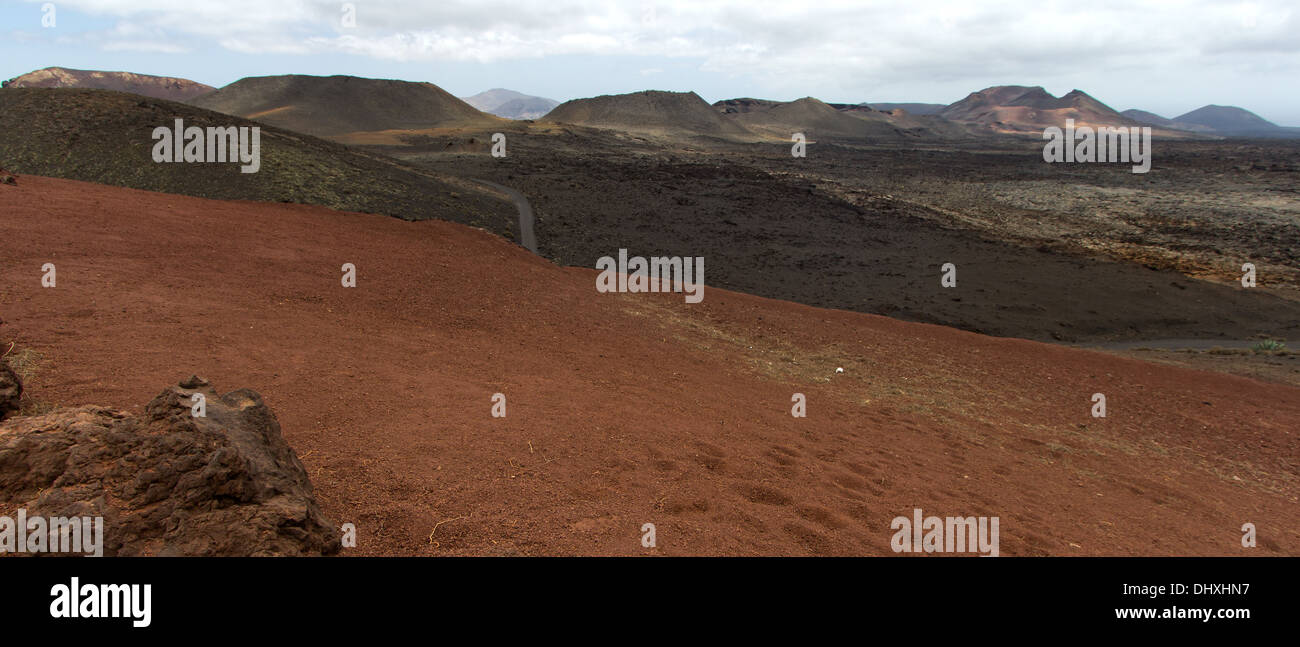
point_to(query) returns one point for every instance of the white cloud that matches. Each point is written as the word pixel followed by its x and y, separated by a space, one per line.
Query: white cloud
pixel 780 45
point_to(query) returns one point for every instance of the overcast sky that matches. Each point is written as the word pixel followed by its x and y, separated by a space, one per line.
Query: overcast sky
pixel 1167 57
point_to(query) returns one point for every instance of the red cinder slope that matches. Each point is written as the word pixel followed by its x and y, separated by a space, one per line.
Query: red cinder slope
pixel 624 409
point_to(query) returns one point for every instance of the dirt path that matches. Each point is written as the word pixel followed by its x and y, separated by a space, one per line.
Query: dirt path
pixel 526 236
pixel 624 409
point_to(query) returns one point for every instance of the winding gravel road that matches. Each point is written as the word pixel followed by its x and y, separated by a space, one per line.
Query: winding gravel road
pixel 526 236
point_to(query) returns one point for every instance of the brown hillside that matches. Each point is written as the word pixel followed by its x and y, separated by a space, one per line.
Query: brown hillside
pixel 810 115
pixel 103 136
pixel 651 111
pixel 737 106
pixel 337 105
pixel 817 120
pixel 158 87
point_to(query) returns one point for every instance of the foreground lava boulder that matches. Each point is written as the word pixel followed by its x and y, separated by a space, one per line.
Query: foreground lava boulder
pixel 168 483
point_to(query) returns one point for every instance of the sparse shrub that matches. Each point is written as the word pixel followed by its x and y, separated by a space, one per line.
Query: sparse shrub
pixel 24 361
pixel 1268 346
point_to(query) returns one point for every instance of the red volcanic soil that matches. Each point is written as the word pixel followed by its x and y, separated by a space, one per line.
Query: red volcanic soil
pixel 624 409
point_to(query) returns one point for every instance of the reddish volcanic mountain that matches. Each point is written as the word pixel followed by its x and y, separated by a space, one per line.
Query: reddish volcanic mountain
pixel 1020 108
pixel 623 409
pixel 158 87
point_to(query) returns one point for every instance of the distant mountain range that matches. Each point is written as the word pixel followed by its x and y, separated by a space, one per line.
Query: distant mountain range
pixel 158 87
pixel 511 104
pixel 336 106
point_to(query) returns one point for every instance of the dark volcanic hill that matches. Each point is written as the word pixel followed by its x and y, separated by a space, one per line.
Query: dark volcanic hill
pixel 106 137
pixel 1231 120
pixel 1018 108
pixel 337 105
pixel 1225 121
pixel 745 104
pixel 1153 119
pixel 649 111
pixel 911 123
pixel 815 119
pixel 158 87
pixel 1142 116
pixel 833 120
